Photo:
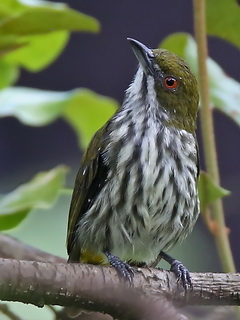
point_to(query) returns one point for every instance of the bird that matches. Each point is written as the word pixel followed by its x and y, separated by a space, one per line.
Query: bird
pixel 135 194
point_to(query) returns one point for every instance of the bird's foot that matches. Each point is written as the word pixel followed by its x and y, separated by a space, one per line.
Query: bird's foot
pixel 180 271
pixel 123 269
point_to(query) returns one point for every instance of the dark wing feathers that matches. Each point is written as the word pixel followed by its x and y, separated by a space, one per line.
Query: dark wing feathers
pixel 89 181
pixel 198 157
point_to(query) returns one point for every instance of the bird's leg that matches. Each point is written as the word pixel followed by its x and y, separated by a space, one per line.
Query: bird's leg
pixel 123 269
pixel 180 271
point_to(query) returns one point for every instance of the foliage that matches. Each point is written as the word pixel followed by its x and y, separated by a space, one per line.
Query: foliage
pixel 23 42
pixel 78 107
pixel 209 191
pixel 227 27
pixel 40 192
pixel 24 38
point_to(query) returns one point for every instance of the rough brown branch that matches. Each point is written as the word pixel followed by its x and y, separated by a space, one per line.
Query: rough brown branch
pixel 11 247
pixel 83 285
pixel 97 288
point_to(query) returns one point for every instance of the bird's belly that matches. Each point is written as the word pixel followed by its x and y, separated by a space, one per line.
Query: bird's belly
pixel 155 218
pixel 147 205
pixel 136 220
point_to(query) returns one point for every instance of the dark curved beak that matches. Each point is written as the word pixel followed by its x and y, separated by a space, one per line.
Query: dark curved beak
pixel 143 54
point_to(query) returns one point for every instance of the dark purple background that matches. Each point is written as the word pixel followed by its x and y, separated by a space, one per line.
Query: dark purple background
pixel 104 62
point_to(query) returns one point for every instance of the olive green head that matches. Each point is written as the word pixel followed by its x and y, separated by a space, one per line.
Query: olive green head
pixel 175 85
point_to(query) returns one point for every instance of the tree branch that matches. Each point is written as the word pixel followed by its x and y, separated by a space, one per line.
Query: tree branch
pixel 5 310
pixel 99 288
pixel 92 287
pixel 11 247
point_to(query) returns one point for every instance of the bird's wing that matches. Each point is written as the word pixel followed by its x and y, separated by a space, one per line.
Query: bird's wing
pixel 89 181
pixel 198 157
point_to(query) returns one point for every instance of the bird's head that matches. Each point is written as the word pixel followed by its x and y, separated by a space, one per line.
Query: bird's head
pixel 175 85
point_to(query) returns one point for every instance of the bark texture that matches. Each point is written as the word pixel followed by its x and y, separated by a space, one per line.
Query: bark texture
pixel 83 285
pixel 49 280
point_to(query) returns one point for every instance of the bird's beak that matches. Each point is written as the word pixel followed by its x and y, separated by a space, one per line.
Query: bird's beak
pixel 143 54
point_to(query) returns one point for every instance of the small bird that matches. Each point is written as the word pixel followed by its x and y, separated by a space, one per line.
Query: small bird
pixel 135 194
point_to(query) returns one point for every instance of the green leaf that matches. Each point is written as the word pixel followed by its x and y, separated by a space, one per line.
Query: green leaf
pixel 24 36
pixel 85 110
pixel 209 191
pixel 224 91
pixel 8 7
pixel 30 21
pixel 32 106
pixel 33 56
pixel 223 20
pixel 177 43
pixel 9 43
pixel 40 192
pixel 39 3
pixel 9 74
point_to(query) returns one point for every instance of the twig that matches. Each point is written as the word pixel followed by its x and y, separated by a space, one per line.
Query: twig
pixel 5 310
pixel 221 236
pixel 11 247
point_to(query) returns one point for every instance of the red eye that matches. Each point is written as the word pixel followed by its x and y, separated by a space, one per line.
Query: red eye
pixel 170 82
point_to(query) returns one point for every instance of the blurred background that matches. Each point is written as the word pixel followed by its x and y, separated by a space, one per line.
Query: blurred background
pixel 105 63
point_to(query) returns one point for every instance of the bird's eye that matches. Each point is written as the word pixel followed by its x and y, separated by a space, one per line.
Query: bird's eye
pixel 170 82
